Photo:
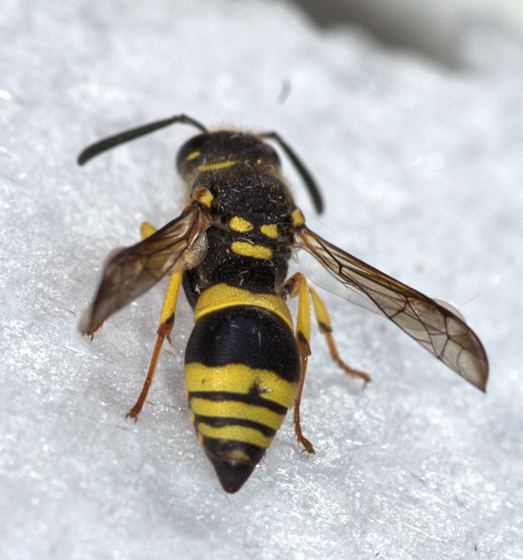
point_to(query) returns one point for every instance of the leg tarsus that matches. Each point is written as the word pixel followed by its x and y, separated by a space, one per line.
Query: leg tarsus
pixel 324 324
pixel 365 377
pixel 163 332
pixel 305 352
pixel 307 445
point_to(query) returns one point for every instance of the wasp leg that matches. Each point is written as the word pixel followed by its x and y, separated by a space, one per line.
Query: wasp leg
pixel 164 329
pixel 325 327
pixel 146 230
pixel 297 286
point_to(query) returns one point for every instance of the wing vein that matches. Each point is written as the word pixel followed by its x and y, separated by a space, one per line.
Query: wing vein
pixel 419 316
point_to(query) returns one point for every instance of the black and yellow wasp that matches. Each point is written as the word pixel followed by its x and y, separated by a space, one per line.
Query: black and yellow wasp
pixel 230 248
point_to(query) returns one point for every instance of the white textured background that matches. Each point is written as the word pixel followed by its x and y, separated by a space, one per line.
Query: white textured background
pixel 434 28
pixel 423 171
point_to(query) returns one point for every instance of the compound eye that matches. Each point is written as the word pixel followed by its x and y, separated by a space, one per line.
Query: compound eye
pixel 190 153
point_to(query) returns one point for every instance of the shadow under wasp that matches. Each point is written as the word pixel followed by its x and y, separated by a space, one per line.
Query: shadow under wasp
pixel 245 362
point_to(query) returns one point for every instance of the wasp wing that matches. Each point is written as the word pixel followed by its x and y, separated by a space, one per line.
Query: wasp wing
pixel 434 326
pixel 133 270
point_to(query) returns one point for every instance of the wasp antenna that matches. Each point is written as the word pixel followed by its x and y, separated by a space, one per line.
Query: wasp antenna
pixel 128 135
pixel 310 183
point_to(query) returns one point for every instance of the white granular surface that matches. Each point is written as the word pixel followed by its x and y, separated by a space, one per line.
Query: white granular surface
pixel 422 168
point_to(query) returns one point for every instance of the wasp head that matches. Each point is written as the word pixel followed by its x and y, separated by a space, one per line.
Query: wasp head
pixel 222 149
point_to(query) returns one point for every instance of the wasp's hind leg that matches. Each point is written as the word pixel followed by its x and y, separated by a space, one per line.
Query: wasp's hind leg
pixel 297 285
pixel 325 327
pixel 164 329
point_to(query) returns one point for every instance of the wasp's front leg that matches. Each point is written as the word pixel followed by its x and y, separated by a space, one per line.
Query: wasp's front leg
pixel 164 329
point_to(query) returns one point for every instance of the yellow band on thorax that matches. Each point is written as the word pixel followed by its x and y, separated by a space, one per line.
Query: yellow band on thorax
pixel 221 296
pixel 218 165
pixel 251 250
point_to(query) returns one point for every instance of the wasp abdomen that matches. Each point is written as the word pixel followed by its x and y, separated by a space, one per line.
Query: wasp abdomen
pixel 241 372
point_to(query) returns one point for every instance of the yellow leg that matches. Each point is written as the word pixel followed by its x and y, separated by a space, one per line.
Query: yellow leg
pixel 325 327
pixel 297 286
pixel 164 329
pixel 146 230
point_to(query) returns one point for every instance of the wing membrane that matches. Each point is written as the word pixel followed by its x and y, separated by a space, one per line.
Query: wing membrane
pixel 133 270
pixel 432 325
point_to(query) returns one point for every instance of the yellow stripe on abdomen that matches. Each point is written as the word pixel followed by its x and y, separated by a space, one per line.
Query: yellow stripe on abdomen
pixel 219 402
pixel 239 378
pixel 235 433
pixel 240 410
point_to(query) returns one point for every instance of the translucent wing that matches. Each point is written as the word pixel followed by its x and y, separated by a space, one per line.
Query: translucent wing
pixel 133 270
pixel 434 326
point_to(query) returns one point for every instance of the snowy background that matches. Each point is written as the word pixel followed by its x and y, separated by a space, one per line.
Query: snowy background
pixel 434 28
pixel 422 167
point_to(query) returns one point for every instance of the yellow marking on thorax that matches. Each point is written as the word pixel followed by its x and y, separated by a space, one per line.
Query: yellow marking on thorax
pixel 218 165
pixel 235 433
pixel 239 224
pixel 297 217
pixel 221 296
pixel 239 378
pixel 234 409
pixel 270 230
pixel 193 155
pixel 203 196
pixel 248 250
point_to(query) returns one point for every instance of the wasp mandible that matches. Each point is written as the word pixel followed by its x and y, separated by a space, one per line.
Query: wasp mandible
pixel 245 362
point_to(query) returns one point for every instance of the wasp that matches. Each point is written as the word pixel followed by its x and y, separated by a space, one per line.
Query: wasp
pixel 245 361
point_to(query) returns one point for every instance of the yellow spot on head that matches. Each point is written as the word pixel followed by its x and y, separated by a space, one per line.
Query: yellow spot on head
pixel 218 165
pixel 270 230
pixel 193 155
pixel 297 217
pixel 239 224
pixel 248 250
